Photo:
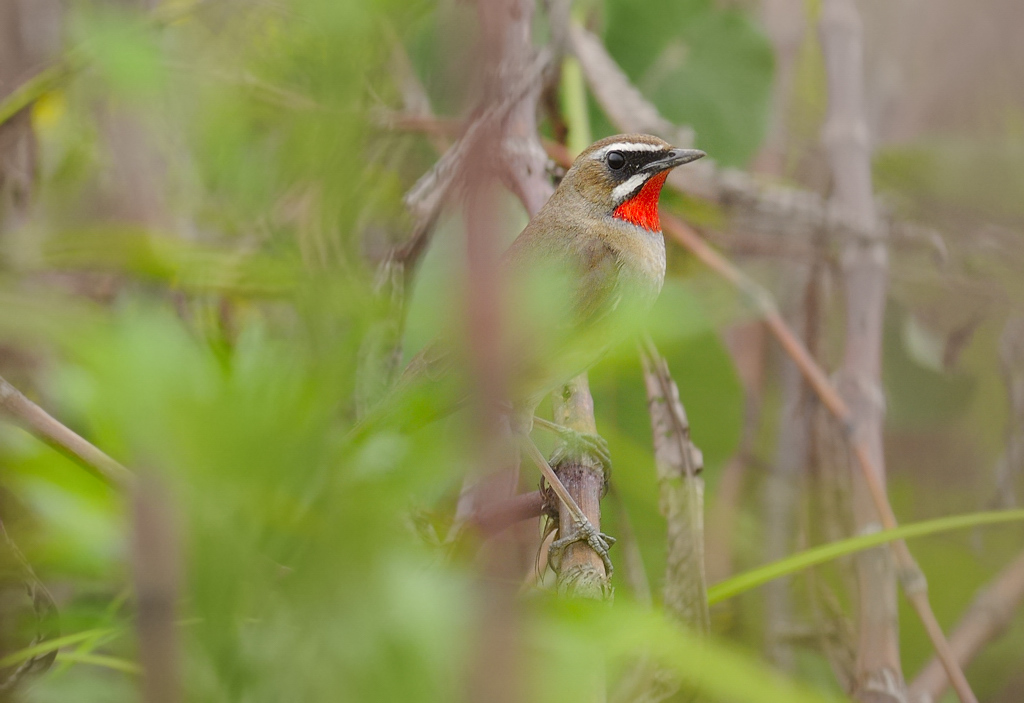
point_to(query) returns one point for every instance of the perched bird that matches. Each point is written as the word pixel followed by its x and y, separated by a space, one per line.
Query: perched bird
pixel 600 232
pixel 596 254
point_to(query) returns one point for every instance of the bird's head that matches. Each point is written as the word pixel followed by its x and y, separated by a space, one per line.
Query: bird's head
pixel 622 176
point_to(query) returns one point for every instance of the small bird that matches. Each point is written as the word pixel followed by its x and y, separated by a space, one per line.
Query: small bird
pixel 600 230
pixel 599 239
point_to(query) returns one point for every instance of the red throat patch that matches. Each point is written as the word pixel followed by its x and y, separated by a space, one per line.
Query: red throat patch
pixel 642 209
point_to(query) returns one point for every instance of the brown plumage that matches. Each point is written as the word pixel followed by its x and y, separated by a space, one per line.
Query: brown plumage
pixel 600 230
pixel 596 255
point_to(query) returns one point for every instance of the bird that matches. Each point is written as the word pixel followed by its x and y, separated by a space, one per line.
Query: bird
pixel 596 254
pixel 601 233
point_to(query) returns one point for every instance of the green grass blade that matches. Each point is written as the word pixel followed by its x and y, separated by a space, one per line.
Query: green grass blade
pixel 812 557
pixel 122 665
pixel 56 643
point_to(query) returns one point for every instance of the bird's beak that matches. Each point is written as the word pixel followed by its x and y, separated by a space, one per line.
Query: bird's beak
pixel 676 157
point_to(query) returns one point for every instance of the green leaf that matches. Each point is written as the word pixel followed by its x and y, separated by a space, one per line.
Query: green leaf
pixel 819 555
pixel 701 65
pixel 713 669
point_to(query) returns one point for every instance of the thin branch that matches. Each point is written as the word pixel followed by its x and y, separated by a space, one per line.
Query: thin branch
pixel 911 578
pixel 988 617
pixel 27 414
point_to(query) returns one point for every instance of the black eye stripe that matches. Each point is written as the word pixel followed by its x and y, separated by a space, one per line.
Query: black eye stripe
pixel 633 160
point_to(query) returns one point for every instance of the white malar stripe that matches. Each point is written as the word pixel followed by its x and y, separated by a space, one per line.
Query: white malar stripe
pixel 627 146
pixel 622 191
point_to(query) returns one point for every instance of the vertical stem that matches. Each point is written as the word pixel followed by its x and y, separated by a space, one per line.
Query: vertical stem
pixel 780 501
pixel 574 105
pixel 681 492
pixel 581 572
pixel 1011 357
pixel 679 464
pixel 746 343
pixel 155 562
pixel 879 673
pixel 507 56
pixel 785 24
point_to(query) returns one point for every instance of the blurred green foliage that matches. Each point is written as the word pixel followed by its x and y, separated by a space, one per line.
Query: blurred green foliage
pixel 194 290
pixel 701 65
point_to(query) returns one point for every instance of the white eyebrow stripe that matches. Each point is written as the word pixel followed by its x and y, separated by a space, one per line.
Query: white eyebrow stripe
pixel 627 146
pixel 622 190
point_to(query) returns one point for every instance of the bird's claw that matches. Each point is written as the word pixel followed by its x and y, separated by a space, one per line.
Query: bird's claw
pixel 585 532
pixel 576 444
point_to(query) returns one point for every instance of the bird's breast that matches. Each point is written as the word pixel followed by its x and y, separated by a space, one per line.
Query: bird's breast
pixel 641 255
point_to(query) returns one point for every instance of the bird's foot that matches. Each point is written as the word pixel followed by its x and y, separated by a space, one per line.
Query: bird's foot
pixel 585 532
pixel 576 444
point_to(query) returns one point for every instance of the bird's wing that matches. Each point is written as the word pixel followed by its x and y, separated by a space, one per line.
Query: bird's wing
pixel 597 291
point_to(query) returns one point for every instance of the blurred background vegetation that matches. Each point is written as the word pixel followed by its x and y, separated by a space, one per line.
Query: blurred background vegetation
pixel 194 205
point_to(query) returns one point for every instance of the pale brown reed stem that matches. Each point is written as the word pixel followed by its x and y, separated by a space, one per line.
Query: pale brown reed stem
pixel 33 418
pixel 156 565
pixel 879 673
pixel 581 571
pixel 681 501
pixel 988 617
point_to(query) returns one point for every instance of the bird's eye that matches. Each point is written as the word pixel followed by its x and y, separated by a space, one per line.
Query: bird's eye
pixel 616 160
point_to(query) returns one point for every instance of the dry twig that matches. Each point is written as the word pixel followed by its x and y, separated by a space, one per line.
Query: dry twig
pixel 988 618
pixel 24 412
